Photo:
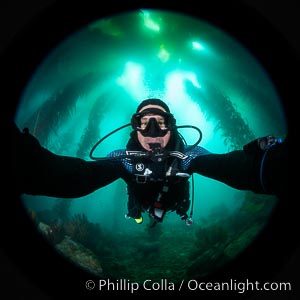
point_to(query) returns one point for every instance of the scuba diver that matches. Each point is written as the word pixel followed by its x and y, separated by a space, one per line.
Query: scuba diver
pixel 156 165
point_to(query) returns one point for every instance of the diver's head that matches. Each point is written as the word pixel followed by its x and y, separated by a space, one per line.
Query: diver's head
pixel 153 123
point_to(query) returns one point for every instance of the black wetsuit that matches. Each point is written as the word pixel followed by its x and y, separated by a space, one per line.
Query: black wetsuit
pixel 37 171
pixel 158 182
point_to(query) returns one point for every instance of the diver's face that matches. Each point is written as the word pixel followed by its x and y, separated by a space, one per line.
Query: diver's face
pixel 146 140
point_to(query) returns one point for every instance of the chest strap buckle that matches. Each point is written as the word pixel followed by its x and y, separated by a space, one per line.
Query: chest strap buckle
pixel 142 179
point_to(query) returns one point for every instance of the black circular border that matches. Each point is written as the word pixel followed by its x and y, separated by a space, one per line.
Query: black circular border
pixel 265 256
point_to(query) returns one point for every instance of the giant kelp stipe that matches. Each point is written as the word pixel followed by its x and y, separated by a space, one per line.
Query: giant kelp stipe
pixel 91 82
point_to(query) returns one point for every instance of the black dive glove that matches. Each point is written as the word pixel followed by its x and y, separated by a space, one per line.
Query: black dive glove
pixel 270 156
pixel 261 144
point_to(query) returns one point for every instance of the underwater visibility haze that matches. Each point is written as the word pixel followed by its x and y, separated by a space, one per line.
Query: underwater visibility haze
pixel 91 84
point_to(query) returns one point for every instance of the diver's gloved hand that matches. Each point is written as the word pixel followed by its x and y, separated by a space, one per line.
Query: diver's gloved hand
pixel 261 144
pixel 265 142
pixel 268 165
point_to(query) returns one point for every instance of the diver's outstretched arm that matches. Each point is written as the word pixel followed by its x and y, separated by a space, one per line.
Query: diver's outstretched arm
pixel 37 171
pixel 259 167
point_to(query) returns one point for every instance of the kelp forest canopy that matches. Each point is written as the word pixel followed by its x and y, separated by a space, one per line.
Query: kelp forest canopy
pixel 91 84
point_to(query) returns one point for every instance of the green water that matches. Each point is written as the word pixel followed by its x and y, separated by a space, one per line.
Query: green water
pixel 91 84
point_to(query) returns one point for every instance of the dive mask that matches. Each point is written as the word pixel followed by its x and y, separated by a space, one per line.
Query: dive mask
pixel 153 129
